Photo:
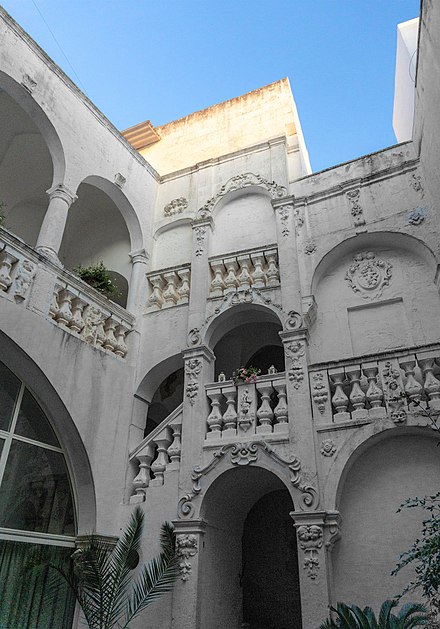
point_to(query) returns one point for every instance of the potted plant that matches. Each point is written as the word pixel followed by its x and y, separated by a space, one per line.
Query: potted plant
pixel 98 277
pixel 245 375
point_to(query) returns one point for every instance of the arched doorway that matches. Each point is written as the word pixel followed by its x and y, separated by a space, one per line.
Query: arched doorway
pixel 37 515
pixel 249 569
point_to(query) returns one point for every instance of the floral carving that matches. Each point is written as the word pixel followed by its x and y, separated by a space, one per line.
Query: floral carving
pixel 416 183
pixel 310 248
pixel 319 391
pixel 284 217
pixel 176 206
pixel 357 213
pixel 416 216
pixel 244 453
pixel 23 280
pixel 295 351
pixel 368 275
pixel 200 240
pixel 328 447
pixel 299 217
pixel 192 369
pixel 186 548
pixel 310 540
pixel 237 183
pixel 194 337
pixel 394 392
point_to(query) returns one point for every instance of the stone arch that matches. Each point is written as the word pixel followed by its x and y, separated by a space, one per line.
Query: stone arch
pixel 378 476
pixel 228 502
pixel 75 453
pixel 365 293
pixel 154 376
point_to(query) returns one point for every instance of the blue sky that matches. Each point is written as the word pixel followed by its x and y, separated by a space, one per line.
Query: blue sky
pixel 161 60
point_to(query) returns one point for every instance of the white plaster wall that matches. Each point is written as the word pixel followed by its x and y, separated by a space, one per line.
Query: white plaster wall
pixel 372 534
pixel 172 247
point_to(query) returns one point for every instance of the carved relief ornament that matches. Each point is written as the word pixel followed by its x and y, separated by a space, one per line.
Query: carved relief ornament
pixel 23 280
pixel 176 206
pixel 186 545
pixel 243 454
pixel 310 537
pixel 295 352
pixel 239 182
pixel 319 391
pixel 368 275
pixel 357 212
pixel 193 367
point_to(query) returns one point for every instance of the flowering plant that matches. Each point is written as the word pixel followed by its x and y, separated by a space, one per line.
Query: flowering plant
pixel 248 374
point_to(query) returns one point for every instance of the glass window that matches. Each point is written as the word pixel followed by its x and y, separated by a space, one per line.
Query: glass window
pixel 9 388
pixel 32 422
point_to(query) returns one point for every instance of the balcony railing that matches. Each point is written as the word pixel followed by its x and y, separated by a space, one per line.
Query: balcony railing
pixel 169 287
pixel 30 279
pixel 391 385
pixel 257 268
pixel 157 453
pixel 247 409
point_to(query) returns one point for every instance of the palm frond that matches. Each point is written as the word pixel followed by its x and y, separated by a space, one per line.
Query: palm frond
pixel 385 612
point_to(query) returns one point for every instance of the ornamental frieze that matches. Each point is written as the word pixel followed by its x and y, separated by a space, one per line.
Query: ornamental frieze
pixel 368 275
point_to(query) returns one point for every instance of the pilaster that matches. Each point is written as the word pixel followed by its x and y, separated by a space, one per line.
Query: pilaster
pixel 316 534
pixel 287 254
pixel 200 276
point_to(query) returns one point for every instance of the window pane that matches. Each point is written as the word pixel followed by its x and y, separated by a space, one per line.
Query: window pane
pixel 35 491
pixel 33 423
pixel 9 387
pixel 24 598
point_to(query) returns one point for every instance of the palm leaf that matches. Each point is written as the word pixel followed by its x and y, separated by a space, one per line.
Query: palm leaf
pixel 385 613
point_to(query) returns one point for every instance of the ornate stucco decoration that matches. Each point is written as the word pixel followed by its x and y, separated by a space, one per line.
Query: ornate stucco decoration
pixel 176 206
pixel 328 447
pixel 310 539
pixel 28 83
pixel 310 248
pixel 368 275
pixel 295 352
pixel 23 280
pixel 283 212
pixel 319 391
pixel 120 180
pixel 416 183
pixel 294 321
pixel 192 369
pixel 200 233
pixel 245 416
pixel 416 216
pixel 238 183
pixel 356 210
pixel 186 545
pixel 93 331
pixel 194 337
pixel 243 454
pixel 394 393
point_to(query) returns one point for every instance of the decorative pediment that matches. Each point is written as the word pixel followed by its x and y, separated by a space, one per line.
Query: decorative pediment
pixel 239 182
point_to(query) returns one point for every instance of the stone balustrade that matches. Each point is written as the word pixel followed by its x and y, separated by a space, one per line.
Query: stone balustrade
pixel 247 409
pixel 158 453
pixel 258 269
pixel 389 386
pixel 169 287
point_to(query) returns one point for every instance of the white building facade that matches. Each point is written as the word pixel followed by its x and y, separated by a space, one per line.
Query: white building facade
pixel 228 252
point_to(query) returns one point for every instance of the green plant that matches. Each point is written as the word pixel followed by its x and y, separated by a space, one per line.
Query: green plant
pixel 352 617
pixel 97 276
pixel 245 374
pixel 103 582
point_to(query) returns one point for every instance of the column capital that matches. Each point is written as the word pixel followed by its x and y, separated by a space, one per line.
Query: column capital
pixel 199 351
pixel 204 221
pixel 139 256
pixel 300 334
pixel 60 191
pixel 188 527
pixel 284 203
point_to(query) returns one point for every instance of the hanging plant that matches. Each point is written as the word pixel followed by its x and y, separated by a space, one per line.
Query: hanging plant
pixel 98 277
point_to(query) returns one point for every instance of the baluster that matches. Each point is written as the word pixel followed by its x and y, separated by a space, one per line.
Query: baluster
pixel 121 333
pixel 230 416
pixel 161 461
pixel 175 448
pixel 265 413
pixel 244 277
pixel 156 299
pixel 431 383
pixel 357 396
pixel 258 275
pixel 142 480
pixel 100 335
pixel 54 306
pixel 170 293
pixel 110 341
pixel 281 409
pixel 215 418
pixel 77 322
pixel 339 399
pixel 183 290
pixel 374 392
pixel 231 281
pixel 217 285
pixel 412 388
pixel 64 315
pixel 6 263
pixel 272 273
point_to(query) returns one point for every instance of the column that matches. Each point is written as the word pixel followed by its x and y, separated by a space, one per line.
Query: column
pixel 200 276
pixel 186 593
pixel 137 292
pixel 316 534
pixel 54 222
pixel 287 254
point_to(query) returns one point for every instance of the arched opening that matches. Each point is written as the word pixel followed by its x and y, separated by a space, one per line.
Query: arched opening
pixel 166 399
pixel 37 518
pixel 97 232
pixel 26 164
pixel 249 553
pixel 376 481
